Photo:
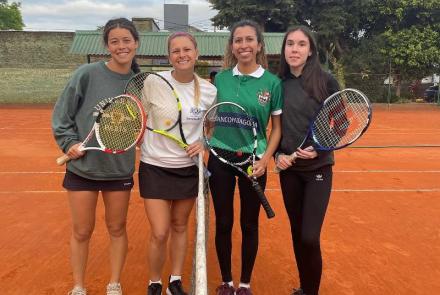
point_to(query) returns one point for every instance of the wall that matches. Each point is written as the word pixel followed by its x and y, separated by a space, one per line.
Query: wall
pixel 25 49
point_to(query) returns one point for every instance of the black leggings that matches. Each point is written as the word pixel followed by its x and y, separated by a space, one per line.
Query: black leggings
pixel 306 196
pixel 222 185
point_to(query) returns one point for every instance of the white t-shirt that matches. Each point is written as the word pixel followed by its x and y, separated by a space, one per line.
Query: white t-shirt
pixel 161 151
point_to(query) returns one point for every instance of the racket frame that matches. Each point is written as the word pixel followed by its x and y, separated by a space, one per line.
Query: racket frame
pixel 95 131
pixel 310 133
pixel 251 159
pixel 182 141
pixel 370 114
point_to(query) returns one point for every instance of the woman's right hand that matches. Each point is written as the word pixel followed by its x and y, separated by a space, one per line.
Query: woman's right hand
pixel 285 161
pixel 74 151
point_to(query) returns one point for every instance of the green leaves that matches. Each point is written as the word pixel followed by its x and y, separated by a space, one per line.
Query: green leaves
pixel 273 16
pixel 414 50
pixel 10 16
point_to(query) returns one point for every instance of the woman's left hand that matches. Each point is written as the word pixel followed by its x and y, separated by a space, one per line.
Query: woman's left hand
pixel 307 153
pixel 194 149
pixel 259 167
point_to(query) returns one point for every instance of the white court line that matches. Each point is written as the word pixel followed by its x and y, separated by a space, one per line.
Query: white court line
pixel 387 171
pixel 334 171
pixel 27 128
pixel 410 190
pixel 418 190
pixel 403 133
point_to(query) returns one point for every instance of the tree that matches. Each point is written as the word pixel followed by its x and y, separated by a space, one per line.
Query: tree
pixel 339 26
pixel 338 23
pixel 273 16
pixel 405 32
pixel 10 16
pixel 411 30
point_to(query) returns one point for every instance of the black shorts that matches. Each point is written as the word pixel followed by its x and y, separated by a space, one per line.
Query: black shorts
pixel 168 183
pixel 74 182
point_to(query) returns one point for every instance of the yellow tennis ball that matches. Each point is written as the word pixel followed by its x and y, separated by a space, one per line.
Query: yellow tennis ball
pixel 250 169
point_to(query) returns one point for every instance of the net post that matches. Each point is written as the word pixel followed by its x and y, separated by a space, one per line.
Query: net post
pixel 199 285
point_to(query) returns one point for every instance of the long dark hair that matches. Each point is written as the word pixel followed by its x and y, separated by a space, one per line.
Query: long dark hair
pixel 314 79
pixel 230 60
pixel 122 23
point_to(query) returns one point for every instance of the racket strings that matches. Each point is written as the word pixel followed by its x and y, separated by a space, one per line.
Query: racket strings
pixel 135 85
pixel 230 133
pixel 237 158
pixel 159 99
pixel 342 120
pixel 120 125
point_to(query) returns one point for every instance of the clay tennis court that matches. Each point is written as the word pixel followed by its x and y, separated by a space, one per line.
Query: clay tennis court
pixel 381 234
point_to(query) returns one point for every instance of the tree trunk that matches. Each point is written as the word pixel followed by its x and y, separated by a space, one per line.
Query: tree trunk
pixel 398 85
pixel 338 70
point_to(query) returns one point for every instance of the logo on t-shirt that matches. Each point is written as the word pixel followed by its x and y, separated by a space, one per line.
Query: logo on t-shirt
pixel 100 105
pixel 195 114
pixel 263 97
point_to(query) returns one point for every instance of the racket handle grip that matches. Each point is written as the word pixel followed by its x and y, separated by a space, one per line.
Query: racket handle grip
pixel 62 160
pixel 264 202
pixel 206 173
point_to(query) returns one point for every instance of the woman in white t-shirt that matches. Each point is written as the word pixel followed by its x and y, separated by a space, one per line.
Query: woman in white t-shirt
pixel 168 178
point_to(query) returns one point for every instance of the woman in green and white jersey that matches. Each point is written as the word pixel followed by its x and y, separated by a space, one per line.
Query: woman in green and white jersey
pixel 245 82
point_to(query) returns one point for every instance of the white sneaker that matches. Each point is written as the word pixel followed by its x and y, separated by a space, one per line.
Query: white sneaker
pixel 77 290
pixel 114 289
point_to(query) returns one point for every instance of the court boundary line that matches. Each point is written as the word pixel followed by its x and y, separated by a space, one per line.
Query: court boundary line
pixel 269 171
pixel 422 190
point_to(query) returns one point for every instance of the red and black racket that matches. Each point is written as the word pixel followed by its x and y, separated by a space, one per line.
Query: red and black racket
pixel 118 127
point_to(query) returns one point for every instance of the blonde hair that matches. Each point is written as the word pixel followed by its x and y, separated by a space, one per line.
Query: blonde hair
pixel 196 77
pixel 230 60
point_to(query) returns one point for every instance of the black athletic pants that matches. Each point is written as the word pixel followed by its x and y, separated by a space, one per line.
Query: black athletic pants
pixel 306 196
pixel 222 185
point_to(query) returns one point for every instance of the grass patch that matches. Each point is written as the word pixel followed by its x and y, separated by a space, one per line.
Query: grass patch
pixel 37 85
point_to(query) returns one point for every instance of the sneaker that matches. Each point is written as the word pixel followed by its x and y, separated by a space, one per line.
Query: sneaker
pixel 114 289
pixel 225 289
pixel 175 288
pixel 77 290
pixel 243 291
pixel 154 289
pixel 298 292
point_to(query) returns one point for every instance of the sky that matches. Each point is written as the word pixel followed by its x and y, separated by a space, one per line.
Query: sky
pixel 71 15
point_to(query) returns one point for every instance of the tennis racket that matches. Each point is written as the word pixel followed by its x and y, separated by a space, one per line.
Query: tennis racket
pixel 117 128
pixel 231 135
pixel 342 119
pixel 162 105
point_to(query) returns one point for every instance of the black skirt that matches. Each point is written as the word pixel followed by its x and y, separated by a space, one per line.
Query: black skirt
pixel 74 182
pixel 168 183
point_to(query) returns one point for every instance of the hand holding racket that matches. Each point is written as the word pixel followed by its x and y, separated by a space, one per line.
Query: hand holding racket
pixel 162 105
pixel 342 119
pixel 117 128
pixel 230 133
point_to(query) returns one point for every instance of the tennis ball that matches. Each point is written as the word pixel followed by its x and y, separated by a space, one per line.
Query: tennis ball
pixel 250 170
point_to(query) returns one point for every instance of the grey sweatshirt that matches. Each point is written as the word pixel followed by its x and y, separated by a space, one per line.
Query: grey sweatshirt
pixel 74 114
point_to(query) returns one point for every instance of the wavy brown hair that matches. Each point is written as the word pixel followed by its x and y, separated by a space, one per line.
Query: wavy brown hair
pixel 230 60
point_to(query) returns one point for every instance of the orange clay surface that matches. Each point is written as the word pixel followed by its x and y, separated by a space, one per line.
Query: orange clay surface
pixel 381 234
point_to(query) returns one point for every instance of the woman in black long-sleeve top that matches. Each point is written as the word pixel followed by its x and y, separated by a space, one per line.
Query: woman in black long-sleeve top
pixel 305 181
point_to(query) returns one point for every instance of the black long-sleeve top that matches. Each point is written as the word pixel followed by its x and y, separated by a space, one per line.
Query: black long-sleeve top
pixel 298 112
